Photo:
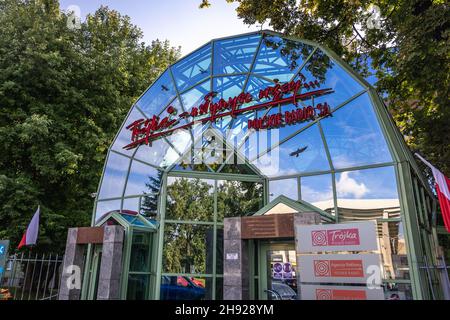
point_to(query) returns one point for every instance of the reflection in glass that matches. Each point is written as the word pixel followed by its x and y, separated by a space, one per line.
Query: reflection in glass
pixel 124 137
pixel 393 249
pixel 219 251
pixel 330 75
pixel 318 191
pixel 367 194
pixel 190 199
pixel 219 288
pixel 159 154
pixel 280 58
pixel 185 248
pixel 228 87
pixel 104 207
pixel 284 160
pixel 114 176
pixel 354 136
pixel 193 68
pixel 254 85
pixel 397 291
pixel 194 97
pixel 282 274
pixel 261 140
pixel 138 286
pixel 142 179
pixel 157 96
pixel 285 187
pixel 234 55
pixel 140 252
pixel 184 288
pixel 238 198
pixel 130 205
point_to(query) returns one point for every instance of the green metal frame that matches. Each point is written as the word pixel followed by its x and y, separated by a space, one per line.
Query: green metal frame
pixel 403 163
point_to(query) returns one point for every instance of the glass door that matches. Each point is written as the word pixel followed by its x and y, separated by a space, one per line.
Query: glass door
pixel 277 270
pixel 94 272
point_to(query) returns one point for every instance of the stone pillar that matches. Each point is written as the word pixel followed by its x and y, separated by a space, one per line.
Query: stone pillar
pixel 111 264
pixel 71 277
pixel 303 218
pixel 235 262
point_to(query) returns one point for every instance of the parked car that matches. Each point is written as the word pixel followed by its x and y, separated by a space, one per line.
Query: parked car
pixel 180 288
pixel 283 291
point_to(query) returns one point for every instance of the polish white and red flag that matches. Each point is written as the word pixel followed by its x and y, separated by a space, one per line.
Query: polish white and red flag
pixel 30 236
pixel 442 190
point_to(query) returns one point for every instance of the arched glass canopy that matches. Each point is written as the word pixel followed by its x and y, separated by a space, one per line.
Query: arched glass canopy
pixel 244 120
pixel 330 148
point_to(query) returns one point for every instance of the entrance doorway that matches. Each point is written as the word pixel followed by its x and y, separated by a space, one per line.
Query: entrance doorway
pixel 94 271
pixel 277 270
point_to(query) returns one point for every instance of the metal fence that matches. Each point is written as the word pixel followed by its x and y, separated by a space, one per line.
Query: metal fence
pixel 31 277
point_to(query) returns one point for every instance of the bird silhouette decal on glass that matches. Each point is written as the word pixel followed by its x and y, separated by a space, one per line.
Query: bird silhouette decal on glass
pixel 298 151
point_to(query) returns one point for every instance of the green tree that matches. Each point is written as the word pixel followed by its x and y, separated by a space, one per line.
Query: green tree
pixel 185 244
pixel 150 202
pixel 63 95
pixel 405 44
pixel 238 198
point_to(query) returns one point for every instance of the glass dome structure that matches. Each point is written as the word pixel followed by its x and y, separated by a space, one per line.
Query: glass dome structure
pixel 343 155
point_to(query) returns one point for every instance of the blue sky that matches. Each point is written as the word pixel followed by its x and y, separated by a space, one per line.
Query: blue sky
pixel 179 21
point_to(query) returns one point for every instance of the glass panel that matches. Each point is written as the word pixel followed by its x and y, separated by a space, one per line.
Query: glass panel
pixel 114 176
pixel 138 286
pixel 397 291
pixel 130 205
pixel 318 191
pixel 149 206
pixel 219 251
pixel 238 198
pixel 280 58
pixel 282 277
pixel 193 68
pixel 190 199
pixel 105 207
pixel 124 136
pixel 234 55
pixel 329 75
pixel 254 85
pixel 140 252
pixel 181 139
pixel 261 140
pixel 286 187
pixel 158 154
pixel 367 194
pixel 228 87
pixel 158 96
pixel 290 129
pixel 219 288
pixel 303 153
pixel 393 250
pixel 185 249
pixel 194 97
pixel 143 179
pixel 354 136
pixel 239 128
pixel 184 288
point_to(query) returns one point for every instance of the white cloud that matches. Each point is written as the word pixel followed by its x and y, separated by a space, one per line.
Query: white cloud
pixel 313 195
pixel 347 186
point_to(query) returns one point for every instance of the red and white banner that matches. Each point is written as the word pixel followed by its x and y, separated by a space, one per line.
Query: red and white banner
pixel 340 268
pixel 30 236
pixel 313 292
pixel 357 236
pixel 442 190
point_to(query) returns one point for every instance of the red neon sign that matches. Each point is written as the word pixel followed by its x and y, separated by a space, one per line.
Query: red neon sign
pixel 144 131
